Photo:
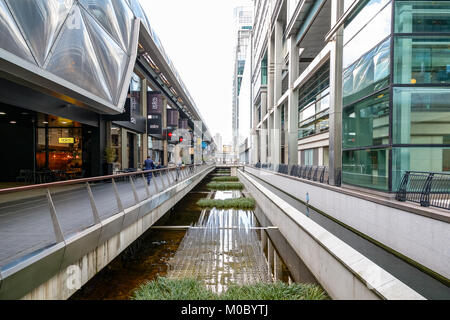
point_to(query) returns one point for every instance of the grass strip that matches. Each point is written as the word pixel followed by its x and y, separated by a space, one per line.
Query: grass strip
pixel 235 203
pixel 225 179
pixel 191 289
pixel 216 185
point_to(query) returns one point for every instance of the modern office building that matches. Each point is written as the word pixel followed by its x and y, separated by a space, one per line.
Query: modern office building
pixel 86 88
pixel 243 16
pixel 362 87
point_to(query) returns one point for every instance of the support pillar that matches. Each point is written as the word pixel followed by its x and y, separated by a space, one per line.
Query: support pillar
pixel 292 122
pixel 270 257
pixel 164 125
pixel 335 155
pixel 278 267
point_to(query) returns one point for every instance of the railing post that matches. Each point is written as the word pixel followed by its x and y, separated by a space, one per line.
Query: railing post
pixel 93 205
pixel 136 197
pixel 56 226
pixel 322 175
pixel 154 182
pixel 162 180
pixel 401 192
pixel 425 195
pixel 116 192
pixel 147 188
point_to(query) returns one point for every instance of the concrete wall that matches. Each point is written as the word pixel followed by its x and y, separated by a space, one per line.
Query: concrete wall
pixel 342 271
pixel 420 238
pixel 64 284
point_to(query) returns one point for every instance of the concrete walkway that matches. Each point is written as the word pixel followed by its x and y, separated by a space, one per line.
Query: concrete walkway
pixel 26 225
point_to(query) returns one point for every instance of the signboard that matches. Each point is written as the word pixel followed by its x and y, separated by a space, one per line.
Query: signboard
pixel 154 124
pixel 135 101
pixel 154 102
pixel 172 118
pixel 183 124
pixel 66 140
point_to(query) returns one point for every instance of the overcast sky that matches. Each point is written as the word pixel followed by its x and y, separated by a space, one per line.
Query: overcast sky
pixel 198 37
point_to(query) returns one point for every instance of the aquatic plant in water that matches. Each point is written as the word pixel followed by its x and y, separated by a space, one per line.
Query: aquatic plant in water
pixel 226 178
pixel 216 185
pixel 192 289
pixel 234 203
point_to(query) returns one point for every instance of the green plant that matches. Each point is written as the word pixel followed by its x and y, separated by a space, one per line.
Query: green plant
pixel 222 179
pixel 236 203
pixel 275 291
pixel 110 154
pixel 225 185
pixel 192 289
pixel 171 289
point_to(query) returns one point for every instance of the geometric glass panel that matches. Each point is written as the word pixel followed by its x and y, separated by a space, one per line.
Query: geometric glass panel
pixel 40 22
pixel 74 58
pixel 11 39
pixel 111 57
pixel 115 16
pixel 139 13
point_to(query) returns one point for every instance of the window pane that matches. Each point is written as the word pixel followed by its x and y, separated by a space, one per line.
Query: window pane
pixel 422 60
pixel 361 16
pixel 367 122
pixel 421 116
pixel 373 33
pixel 306 131
pixel 418 159
pixel 315 86
pixel 366 168
pixel 367 75
pixel 422 16
pixel 307 112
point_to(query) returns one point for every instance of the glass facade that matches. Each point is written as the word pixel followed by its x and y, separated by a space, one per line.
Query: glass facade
pixel 422 60
pixel 390 127
pixel 366 98
pixel 366 168
pixel 366 123
pixel 314 103
pixel 421 88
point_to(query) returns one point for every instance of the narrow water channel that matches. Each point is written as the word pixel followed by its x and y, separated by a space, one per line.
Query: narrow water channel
pixel 221 247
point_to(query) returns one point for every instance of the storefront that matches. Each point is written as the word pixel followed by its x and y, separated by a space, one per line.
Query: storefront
pixel 43 148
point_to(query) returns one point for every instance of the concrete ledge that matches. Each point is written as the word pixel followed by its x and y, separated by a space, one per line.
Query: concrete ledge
pixel 342 271
pixel 47 275
pixel 417 237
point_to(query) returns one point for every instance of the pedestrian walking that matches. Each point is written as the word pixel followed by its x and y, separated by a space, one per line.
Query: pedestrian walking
pixel 149 165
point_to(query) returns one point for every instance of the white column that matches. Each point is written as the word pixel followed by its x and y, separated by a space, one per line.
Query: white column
pixel 336 55
pixel 292 123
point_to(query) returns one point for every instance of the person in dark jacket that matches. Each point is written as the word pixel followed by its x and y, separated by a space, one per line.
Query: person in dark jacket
pixel 149 165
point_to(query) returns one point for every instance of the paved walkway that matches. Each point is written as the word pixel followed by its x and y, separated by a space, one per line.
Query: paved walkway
pixel 26 225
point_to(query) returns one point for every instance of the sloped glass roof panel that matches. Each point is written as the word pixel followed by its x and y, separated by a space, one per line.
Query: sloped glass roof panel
pixel 40 22
pixel 139 13
pixel 74 58
pixel 11 39
pixel 115 16
pixel 112 58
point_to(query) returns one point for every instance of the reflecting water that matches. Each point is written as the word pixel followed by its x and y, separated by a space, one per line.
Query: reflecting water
pixel 224 248
pixel 221 249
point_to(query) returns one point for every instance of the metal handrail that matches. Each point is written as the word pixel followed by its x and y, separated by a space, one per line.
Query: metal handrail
pixel 84 180
pixel 429 189
pixel 312 173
